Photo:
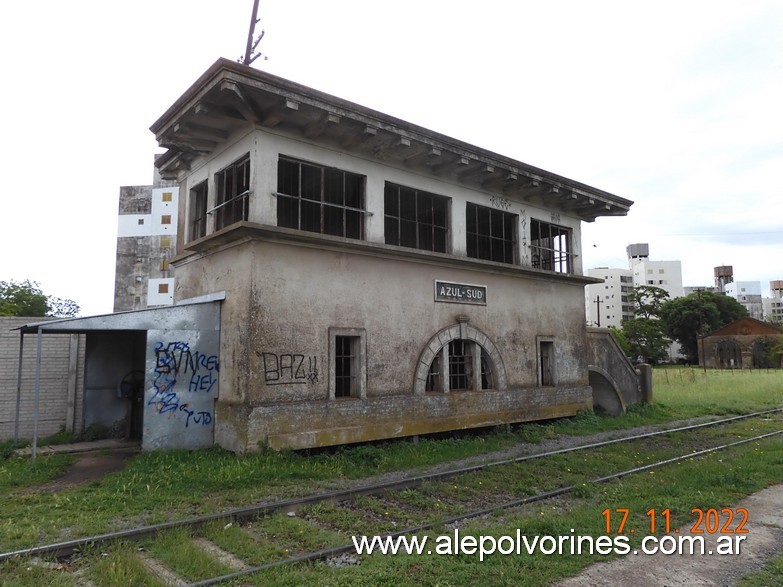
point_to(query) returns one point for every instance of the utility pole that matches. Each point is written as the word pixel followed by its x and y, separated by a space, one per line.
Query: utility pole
pixel 701 329
pixel 252 42
pixel 598 309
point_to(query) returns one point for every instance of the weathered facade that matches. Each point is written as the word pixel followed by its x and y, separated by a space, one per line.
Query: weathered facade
pixel 380 279
pixel 744 344
pixel 146 240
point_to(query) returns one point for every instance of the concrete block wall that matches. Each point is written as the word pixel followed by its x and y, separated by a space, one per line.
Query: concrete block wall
pixel 62 381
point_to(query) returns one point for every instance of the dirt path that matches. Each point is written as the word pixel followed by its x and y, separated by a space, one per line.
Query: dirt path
pixel 764 541
pixel 88 467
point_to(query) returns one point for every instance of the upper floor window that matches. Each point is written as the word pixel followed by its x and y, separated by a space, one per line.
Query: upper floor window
pixel 198 211
pixel 415 219
pixel 233 191
pixel 320 199
pixel 550 246
pixel 492 234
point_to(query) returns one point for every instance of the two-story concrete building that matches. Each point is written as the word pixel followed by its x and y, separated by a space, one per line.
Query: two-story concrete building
pixel 380 279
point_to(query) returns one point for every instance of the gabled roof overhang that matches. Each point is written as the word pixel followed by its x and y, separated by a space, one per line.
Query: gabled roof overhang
pixel 230 96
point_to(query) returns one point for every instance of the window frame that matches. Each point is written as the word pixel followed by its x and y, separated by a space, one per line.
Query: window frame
pixel 232 193
pixel 546 250
pixel 546 360
pixel 502 247
pixel 357 338
pixel 349 218
pixel 198 210
pixel 424 219
pixel 463 359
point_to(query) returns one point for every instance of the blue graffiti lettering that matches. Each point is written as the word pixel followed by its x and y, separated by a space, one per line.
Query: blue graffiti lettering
pixel 173 359
pixel 202 382
pixel 203 418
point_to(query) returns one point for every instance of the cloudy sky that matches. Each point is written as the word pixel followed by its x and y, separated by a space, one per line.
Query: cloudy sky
pixel 676 105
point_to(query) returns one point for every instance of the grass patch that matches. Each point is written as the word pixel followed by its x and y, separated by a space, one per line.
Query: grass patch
pixel 177 549
pixel 119 566
pixel 20 472
pixel 688 391
pixel 770 575
pixel 715 481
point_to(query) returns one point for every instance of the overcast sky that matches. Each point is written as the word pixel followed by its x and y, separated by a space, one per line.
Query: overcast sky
pixel 676 105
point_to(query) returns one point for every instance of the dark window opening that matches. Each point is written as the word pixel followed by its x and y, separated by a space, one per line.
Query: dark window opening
pixel 547 351
pixel 550 247
pixel 320 199
pixel 415 219
pixel 433 377
pixel 486 373
pixel 491 234
pixel 463 360
pixel 233 192
pixel 198 211
pixel 460 365
pixel 345 366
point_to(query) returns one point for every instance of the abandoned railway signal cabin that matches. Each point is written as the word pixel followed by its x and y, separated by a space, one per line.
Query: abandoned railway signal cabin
pixel 380 279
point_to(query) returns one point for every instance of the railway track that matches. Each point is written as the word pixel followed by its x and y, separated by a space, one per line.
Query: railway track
pixel 316 527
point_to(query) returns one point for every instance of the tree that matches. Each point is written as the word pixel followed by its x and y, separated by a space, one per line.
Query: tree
pixel 647 300
pixel 647 339
pixel 27 299
pixel 645 334
pixel 774 352
pixel 696 315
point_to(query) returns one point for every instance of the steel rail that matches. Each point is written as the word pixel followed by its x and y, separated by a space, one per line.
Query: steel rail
pixel 66 548
pixel 329 552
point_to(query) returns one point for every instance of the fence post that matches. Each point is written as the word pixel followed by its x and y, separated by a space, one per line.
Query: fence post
pixel 645 382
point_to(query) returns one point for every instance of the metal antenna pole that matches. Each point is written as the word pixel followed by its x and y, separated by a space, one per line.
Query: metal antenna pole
pixel 252 42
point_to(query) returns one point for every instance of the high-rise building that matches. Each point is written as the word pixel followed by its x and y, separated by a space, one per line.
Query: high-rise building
pixel 615 306
pixel 146 240
pixel 747 293
pixel 666 275
pixel 773 306
pixel 608 303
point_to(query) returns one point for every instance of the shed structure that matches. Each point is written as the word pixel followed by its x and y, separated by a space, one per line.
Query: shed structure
pixel 149 375
pixel 744 344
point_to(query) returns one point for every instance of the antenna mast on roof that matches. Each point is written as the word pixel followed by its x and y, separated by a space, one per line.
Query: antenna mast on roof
pixel 252 42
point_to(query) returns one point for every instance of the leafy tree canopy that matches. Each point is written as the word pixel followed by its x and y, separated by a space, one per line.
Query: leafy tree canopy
pixel 696 315
pixel 647 300
pixel 644 336
pixel 621 339
pixel 647 339
pixel 27 299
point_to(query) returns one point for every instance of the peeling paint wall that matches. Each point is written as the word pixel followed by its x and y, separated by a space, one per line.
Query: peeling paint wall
pixel 286 294
pixel 146 240
pixel 275 344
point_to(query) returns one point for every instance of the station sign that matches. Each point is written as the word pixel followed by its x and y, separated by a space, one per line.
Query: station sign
pixel 460 293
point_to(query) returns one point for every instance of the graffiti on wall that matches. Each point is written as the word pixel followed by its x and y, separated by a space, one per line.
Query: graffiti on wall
pixel 289 368
pixel 180 370
pixel 525 259
pixel 500 202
